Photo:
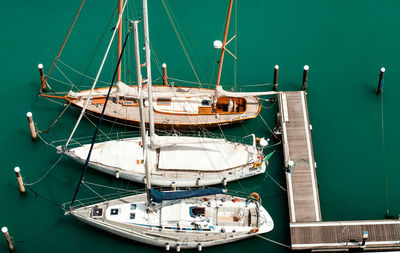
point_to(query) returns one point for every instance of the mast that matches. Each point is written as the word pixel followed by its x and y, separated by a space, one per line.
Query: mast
pixel 148 66
pixel 142 119
pixel 119 40
pixel 221 59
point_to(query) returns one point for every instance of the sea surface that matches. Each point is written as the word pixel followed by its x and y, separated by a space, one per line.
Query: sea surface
pixel 345 43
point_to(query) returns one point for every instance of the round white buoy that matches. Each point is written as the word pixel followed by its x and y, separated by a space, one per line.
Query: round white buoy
pixel 276 67
pixel 4 230
pixel 383 69
pixel 17 169
pixel 164 65
pixel 306 67
pixel 40 66
pixel 217 44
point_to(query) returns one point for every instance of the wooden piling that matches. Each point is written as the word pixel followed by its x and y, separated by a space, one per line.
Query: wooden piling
pixel 164 74
pixel 17 171
pixel 305 77
pixel 380 83
pixel 8 238
pixel 42 78
pixel 31 125
pixel 276 74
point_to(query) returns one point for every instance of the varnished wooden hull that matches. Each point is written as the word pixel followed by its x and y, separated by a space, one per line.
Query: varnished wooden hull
pixel 116 111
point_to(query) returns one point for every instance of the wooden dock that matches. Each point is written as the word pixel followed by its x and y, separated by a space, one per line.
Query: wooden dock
pixel 307 230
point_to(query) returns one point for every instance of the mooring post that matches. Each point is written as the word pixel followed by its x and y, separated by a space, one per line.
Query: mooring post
pixel 164 74
pixel 305 76
pixel 276 74
pixel 31 125
pixel 8 238
pixel 17 171
pixel 42 78
pixel 380 83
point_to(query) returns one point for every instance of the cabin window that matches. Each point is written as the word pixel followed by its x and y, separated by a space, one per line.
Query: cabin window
pixel 132 216
pixel 205 102
pixel 133 206
pixel 114 211
pixel 196 211
pixel 163 101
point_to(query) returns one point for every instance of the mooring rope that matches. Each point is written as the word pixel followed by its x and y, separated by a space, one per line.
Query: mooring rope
pixel 266 172
pixel 272 132
pixel 70 82
pixel 270 240
pixel 41 233
pixel 59 116
pixel 384 156
pixel 47 172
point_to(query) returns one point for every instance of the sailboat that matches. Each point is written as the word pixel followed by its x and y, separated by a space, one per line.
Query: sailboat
pixel 173 219
pixel 174 106
pixel 177 161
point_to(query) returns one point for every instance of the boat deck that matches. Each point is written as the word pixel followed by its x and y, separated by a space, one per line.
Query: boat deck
pixel 307 230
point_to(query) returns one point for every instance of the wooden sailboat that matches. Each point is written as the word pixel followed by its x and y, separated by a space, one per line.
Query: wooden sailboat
pixel 174 219
pixel 180 161
pixel 174 106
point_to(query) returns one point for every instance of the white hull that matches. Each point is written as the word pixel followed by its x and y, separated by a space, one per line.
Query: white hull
pixel 149 230
pixel 186 168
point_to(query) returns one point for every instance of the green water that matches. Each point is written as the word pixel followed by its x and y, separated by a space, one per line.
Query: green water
pixel 344 43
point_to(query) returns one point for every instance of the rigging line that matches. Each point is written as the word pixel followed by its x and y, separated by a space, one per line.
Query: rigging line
pixel 95 125
pixel 93 192
pixel 270 240
pixel 66 38
pixel 194 45
pixel 109 187
pixel 384 157
pixel 180 41
pixel 185 81
pixel 80 73
pixel 98 44
pixel 71 83
pixel 47 172
pixel 103 110
pixel 97 77
pixel 59 116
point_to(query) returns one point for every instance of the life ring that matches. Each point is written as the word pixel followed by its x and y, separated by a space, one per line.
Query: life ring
pixel 254 196
pixel 257 165
pixel 254 230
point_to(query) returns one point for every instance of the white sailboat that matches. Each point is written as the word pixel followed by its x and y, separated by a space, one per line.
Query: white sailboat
pixel 175 219
pixel 174 106
pixel 179 161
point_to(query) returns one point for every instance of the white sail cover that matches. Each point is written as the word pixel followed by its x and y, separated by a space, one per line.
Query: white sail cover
pixel 125 90
pixel 202 154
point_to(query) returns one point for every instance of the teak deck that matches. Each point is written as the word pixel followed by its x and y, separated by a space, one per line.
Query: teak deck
pixel 307 231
